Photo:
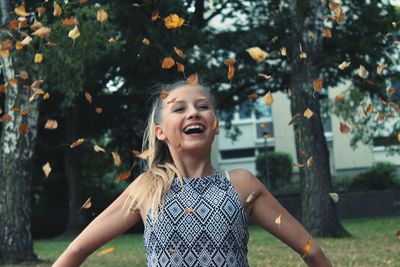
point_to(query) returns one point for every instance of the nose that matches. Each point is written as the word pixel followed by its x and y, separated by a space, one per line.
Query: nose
pixel 193 113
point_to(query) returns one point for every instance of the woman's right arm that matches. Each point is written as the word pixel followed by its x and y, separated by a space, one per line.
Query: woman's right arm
pixel 108 225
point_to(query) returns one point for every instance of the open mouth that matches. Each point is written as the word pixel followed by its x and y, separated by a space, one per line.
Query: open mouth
pixel 194 129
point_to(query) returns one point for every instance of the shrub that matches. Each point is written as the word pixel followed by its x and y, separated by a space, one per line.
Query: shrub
pixel 280 168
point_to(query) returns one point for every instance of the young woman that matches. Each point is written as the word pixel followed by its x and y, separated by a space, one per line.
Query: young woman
pixel 194 215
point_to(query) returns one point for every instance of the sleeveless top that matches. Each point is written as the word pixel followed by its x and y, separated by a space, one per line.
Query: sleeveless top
pixel 203 223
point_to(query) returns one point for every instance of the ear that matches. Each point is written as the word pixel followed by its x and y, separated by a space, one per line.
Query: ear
pixel 159 133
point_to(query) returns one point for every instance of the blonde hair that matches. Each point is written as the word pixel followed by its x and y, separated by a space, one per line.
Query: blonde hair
pixel 155 182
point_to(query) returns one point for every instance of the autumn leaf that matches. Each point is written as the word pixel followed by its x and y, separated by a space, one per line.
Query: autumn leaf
pixel 340 97
pixel 257 53
pixel 398 137
pixel 230 62
pixel 268 99
pixel 57 9
pixel 23 128
pixel 42 32
pixel 143 155
pixel 362 72
pixel 88 97
pixel 180 67
pixel 13 82
pixel 24 75
pixel 117 159
pixel 4 53
pixel 168 63
pixel 20 11
pixel 380 68
pixel 164 94
pixel 46 169
pixel 253 96
pixel 71 21
pixel 334 196
pixel 302 55
pixel 99 149
pixel 173 21
pixel 106 251
pixel 146 41
pixel 295 117
pixel 51 125
pixel 74 33
pixel 179 52
pixel 38 58
pixel 13 24
pixel 98 110
pixel 308 113
pixel 193 79
pixel 379 116
pixel 40 11
pixel 307 247
pixel 122 176
pixel 344 65
pixel 310 162
pixel 391 90
pixel 265 76
pixel 36 25
pixel 278 220
pixel 83 1
pixel 327 33
pixel 155 15
pixel 78 142
pixel 283 51
pixel 318 84
pixel 87 204
pixel 398 234
pixel 101 15
pixel 344 128
pixel 5 118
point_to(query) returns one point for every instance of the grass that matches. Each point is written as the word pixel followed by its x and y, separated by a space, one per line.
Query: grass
pixel 374 243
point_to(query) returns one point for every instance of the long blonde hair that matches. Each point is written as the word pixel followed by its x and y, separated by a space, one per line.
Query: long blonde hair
pixel 155 182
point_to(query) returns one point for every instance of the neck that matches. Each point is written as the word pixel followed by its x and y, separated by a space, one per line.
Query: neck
pixel 193 165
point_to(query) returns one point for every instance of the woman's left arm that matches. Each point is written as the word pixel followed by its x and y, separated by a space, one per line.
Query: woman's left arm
pixel 265 210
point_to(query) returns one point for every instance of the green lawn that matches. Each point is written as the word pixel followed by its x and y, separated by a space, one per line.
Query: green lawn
pixel 374 244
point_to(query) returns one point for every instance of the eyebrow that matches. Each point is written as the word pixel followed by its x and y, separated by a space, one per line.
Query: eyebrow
pixel 197 100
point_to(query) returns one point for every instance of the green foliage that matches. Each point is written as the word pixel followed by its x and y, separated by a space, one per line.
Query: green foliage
pixel 280 168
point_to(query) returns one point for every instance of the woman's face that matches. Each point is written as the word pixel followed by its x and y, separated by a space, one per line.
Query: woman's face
pixel 188 121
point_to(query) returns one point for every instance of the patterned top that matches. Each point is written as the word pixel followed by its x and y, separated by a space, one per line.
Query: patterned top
pixel 203 223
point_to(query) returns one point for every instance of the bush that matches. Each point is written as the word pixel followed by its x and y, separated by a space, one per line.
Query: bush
pixel 280 168
pixel 381 176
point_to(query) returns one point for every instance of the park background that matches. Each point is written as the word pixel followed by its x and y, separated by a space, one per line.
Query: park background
pixel 307 93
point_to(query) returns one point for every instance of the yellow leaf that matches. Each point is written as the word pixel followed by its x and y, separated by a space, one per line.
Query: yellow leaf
pixel 344 128
pixel 168 63
pixel 42 32
pixel 179 52
pixel 307 247
pixel 362 72
pixel 20 11
pixel 51 124
pixel 268 99
pixel 278 220
pixel 117 159
pixel 99 149
pixel 101 15
pixel 308 113
pixel 87 204
pixel 78 142
pixel 46 169
pixel 193 79
pixel 106 251
pixel 74 33
pixel 38 58
pixel 57 9
pixel 18 46
pixel 343 65
pixel 173 21
pixel 257 53
pixel 146 41
pixel 283 51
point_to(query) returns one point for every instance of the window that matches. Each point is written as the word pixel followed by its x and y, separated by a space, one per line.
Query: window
pixel 262 110
pixel 245 110
pixel 237 153
pixel 265 128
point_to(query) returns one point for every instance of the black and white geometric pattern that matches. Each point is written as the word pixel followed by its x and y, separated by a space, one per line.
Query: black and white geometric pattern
pixel 203 223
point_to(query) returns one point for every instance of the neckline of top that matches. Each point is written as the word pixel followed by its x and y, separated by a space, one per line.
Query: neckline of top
pixel 216 173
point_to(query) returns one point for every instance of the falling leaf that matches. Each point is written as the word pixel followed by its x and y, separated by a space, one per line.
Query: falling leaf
pixel 193 79
pixel 3 89
pixel 88 97
pixel 23 23
pixel 106 251
pixel 380 68
pixel 74 33
pixel 18 45
pixel 307 247
pixel 318 84
pixel 250 198
pixel 173 21
pixel 302 55
pixel 71 21
pixel 379 116
pixel 53 44
pixel 340 97
pixel 24 75
pixel 40 11
pixel 155 15
pixel 98 110
pixel 265 76
pixel 20 11
pixel 398 234
pixel 334 196
pixel 23 128
pixel 46 169
pixel 5 118
pixel 36 25
pixel 143 155
pixel 83 1
pixel 101 15
pixel 344 128
pixel 308 113
pixel 4 53
pixel 327 33
pixel 51 125
pixel 12 82
pixel 38 58
pixel 13 24
pixel 268 99
pixel 87 204
pixel 113 41
pixel 296 116
pixel 369 109
pixel 172 101
pixel 164 94
pixel 362 72
pixel 278 220
pixel 117 159
pixel 146 41
pixel 257 53
pixel 344 65
pixel 57 9
pixel 310 162
pixel 78 142
pixel 283 51
pixel 180 67
pixel 42 32
pixel 99 149
pixel 122 176
pixel 179 52
pixel 391 90
pixel 230 62
pixel 168 63
pixel 298 165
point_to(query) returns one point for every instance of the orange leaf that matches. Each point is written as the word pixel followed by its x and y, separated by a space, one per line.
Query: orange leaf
pixel 23 128
pixel 101 15
pixel 83 1
pixel 3 89
pixel 168 63
pixel 308 113
pixel 143 155
pixel 164 95
pixel 24 112
pixel 57 10
pixel 318 84
pixel 51 125
pixel 36 25
pixel 46 169
pixel 5 118
pixel 13 24
pixel 12 82
pixel 88 97
pixel 180 67
pixel 310 162
pixel 71 21
pixel 40 11
pixel 146 41
pixel 42 32
pixel 78 142
pixel 24 75
pixel 20 11
pixel 257 53
pixel 193 79
pixel 173 21
pixel 122 176
pixel 344 128
pixel 340 97
pixel 398 234
pixel 117 159
pixel 307 247
pixel 106 251
pixel 87 204
pixel 268 99
pixel 4 53
pixel 327 33
pixel 391 90
pixel 179 52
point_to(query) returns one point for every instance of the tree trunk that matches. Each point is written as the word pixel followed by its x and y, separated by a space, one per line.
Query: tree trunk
pixel 76 219
pixel 318 210
pixel 16 150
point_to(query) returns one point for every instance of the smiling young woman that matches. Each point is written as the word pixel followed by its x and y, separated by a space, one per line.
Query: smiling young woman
pixel 194 215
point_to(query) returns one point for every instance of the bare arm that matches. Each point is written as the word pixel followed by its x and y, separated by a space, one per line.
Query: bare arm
pixel 108 225
pixel 265 209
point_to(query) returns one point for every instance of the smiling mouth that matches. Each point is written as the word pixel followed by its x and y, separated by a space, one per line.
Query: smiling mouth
pixel 194 129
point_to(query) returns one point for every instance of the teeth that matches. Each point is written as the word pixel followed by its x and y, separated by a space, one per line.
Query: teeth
pixel 193 127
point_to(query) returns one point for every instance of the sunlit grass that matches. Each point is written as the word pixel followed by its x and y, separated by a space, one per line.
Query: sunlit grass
pixel 374 243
